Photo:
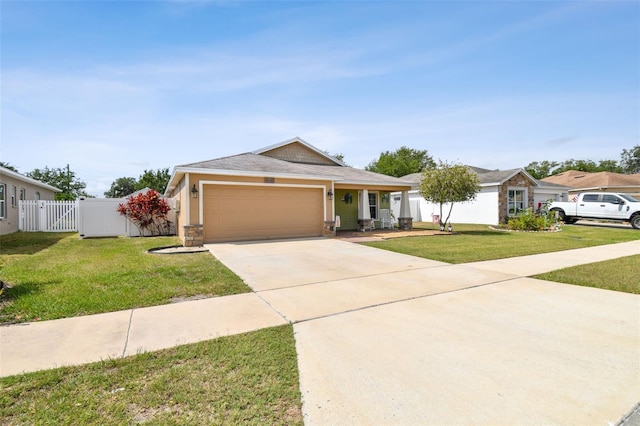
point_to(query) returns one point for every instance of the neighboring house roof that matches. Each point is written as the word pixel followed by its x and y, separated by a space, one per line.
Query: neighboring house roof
pixel 587 180
pixel 299 163
pixel 26 179
pixel 485 177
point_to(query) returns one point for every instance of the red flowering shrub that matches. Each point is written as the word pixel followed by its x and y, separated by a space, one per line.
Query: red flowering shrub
pixel 148 211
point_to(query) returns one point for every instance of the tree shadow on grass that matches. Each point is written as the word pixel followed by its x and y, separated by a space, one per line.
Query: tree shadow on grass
pixel 29 242
pixel 13 293
pixel 488 232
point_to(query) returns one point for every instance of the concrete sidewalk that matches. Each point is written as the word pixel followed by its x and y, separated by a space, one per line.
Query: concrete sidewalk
pixel 526 266
pixel 80 340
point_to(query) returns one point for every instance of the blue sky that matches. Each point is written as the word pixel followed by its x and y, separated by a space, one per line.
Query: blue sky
pixel 113 88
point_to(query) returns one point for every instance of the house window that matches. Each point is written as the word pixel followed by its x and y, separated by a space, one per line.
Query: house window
pixel 13 196
pixel 23 194
pixel 516 200
pixel 373 205
pixel 37 195
pixel 3 206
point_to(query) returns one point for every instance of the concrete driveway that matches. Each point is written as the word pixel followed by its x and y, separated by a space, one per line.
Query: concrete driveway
pixel 384 338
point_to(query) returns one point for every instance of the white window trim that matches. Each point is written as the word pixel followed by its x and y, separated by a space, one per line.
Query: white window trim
pixel 3 201
pixel 377 205
pixel 525 199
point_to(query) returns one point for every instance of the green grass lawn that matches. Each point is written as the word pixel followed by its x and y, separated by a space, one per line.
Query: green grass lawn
pixel 472 243
pixel 621 274
pixel 247 379
pixel 59 275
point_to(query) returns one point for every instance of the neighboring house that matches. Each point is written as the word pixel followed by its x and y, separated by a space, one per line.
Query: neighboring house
pixel 601 181
pixel 502 194
pixel 290 189
pixel 15 187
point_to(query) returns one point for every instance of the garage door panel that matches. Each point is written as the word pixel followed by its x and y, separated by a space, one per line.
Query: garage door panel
pixel 246 212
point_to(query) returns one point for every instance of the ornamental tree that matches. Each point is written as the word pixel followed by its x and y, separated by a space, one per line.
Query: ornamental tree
pixel 449 184
pixel 149 212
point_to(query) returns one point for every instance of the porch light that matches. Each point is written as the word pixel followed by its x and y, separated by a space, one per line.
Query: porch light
pixel 194 191
pixel 330 195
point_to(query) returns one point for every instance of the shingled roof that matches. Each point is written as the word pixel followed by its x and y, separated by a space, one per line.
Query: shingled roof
pixel 257 163
pixel 485 176
pixel 578 179
pixel 293 158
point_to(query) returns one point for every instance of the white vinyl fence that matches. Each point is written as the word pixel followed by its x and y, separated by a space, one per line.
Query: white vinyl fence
pixel 48 216
pixel 90 217
pixel 98 217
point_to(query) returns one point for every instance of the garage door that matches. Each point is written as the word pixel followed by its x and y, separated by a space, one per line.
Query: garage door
pixel 234 213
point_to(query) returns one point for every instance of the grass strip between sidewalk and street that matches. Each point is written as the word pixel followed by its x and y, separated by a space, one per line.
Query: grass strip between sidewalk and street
pixel 247 379
pixel 56 275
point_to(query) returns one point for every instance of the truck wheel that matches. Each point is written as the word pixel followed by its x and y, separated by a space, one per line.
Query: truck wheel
pixel 635 221
pixel 566 219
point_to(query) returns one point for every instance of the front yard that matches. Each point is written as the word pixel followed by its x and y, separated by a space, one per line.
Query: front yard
pixel 474 243
pixel 58 275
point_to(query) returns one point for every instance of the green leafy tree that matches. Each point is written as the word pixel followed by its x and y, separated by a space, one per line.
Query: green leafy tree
pixel 121 187
pixel 63 179
pixel 339 156
pixel 401 162
pixel 154 179
pixel 448 184
pixel 609 166
pixel 542 169
pixel 630 160
pixel 8 166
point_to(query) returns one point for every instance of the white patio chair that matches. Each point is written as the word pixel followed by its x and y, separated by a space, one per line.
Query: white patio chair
pixel 386 219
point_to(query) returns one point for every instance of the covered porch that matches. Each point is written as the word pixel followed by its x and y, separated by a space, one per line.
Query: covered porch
pixel 368 208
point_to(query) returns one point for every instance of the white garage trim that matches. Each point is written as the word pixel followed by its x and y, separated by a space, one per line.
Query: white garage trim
pixel 284 185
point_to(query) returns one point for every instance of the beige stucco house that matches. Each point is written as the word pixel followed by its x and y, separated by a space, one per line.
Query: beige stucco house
pixel 15 187
pixel 290 189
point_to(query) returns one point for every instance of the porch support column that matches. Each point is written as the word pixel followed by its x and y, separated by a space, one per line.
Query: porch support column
pixel 364 213
pixel 405 221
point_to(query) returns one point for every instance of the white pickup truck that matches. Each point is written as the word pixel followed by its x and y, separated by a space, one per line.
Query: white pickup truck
pixel 599 205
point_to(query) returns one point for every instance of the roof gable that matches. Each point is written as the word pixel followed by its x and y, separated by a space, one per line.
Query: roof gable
pixel 304 161
pixel 298 151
